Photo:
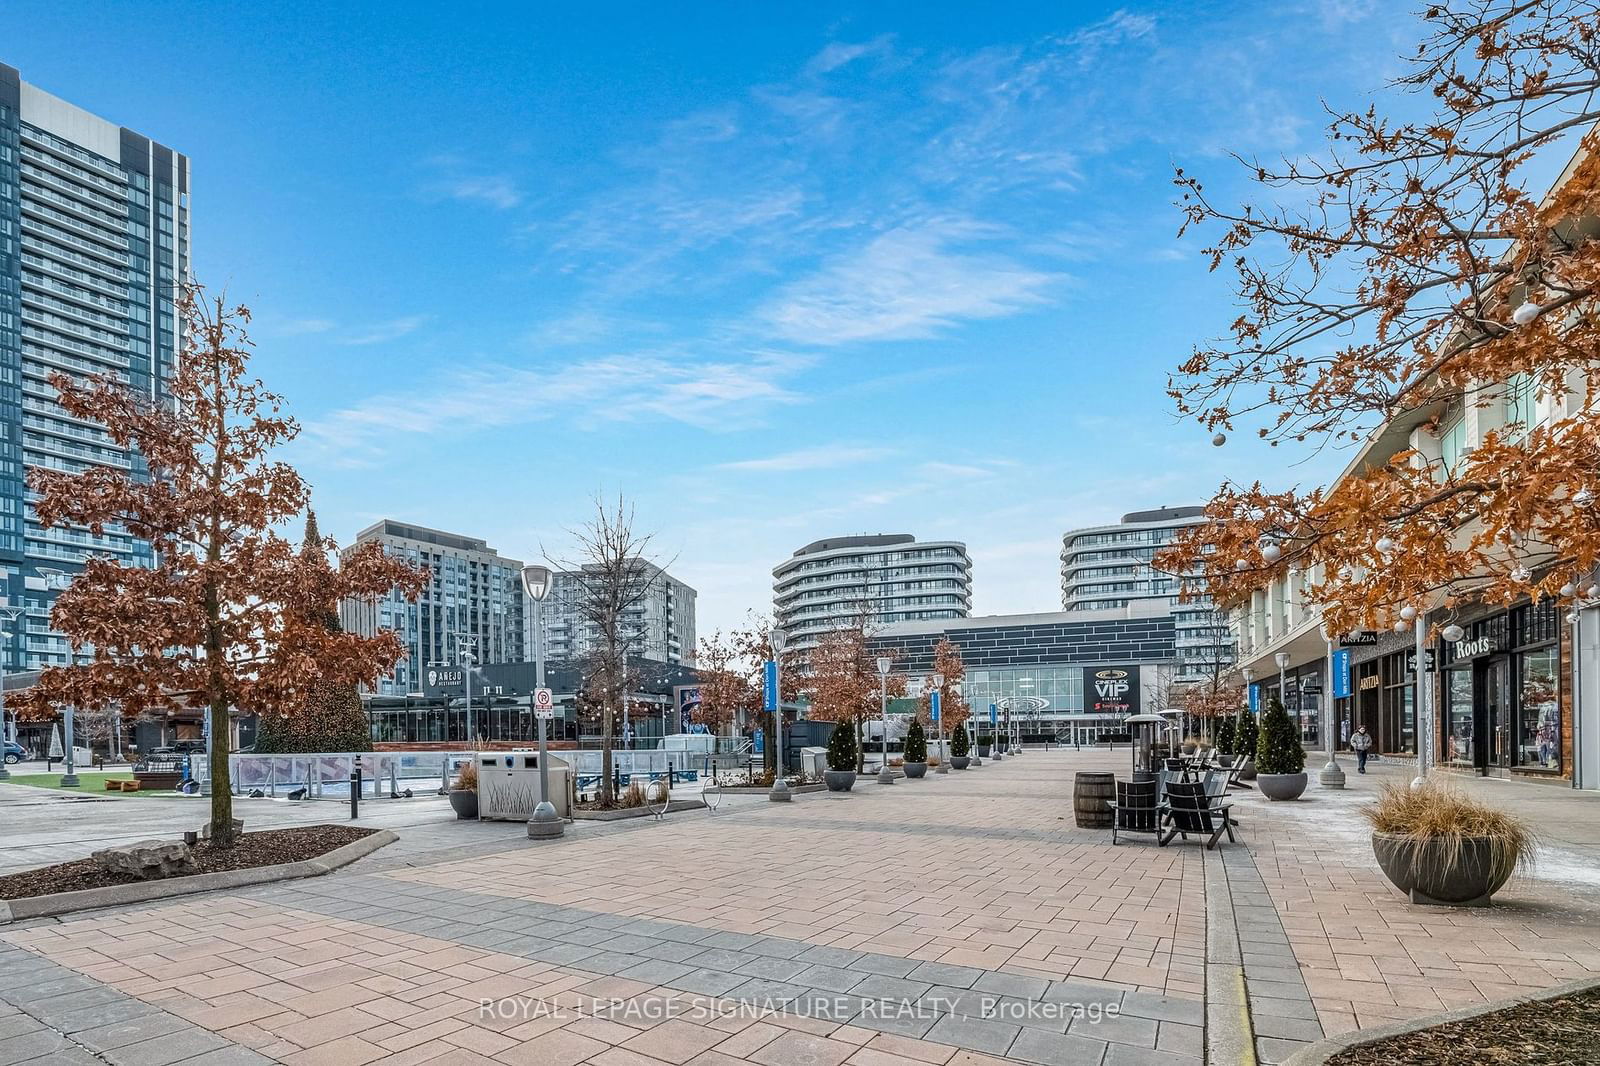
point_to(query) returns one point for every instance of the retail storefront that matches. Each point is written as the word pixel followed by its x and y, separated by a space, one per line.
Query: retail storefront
pixel 1381 691
pixel 1303 697
pixel 1505 705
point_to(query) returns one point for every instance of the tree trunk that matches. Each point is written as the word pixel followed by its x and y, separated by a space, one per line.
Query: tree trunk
pixel 861 745
pixel 221 786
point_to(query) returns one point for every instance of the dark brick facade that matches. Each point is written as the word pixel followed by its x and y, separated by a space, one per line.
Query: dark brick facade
pixel 1130 640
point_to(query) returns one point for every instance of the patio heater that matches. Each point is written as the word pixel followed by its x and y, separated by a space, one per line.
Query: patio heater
pixel 1145 730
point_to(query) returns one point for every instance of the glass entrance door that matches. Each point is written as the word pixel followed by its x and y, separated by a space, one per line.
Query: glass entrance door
pixel 1499 716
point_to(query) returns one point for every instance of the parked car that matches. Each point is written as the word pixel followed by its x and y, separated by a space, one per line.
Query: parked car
pixel 15 752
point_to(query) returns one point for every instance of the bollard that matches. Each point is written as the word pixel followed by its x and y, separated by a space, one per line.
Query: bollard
pixel 355 792
pixel 670 780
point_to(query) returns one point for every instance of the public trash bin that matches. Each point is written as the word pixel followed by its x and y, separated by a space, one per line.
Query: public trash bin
pixel 813 761
pixel 508 784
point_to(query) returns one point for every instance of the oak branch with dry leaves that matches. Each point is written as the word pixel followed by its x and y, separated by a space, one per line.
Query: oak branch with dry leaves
pixel 731 678
pixel 844 681
pixel 230 615
pixel 1408 274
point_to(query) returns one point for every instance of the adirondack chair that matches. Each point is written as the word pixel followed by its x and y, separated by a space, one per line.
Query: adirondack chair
pixel 1236 768
pixel 1137 809
pixel 1190 810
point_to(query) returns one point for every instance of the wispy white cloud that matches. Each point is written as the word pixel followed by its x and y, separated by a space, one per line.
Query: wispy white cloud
pixel 954 470
pixel 496 190
pixel 911 282
pixel 836 54
pixel 299 327
pixel 711 394
pixel 822 457
pixel 456 177
pixel 383 332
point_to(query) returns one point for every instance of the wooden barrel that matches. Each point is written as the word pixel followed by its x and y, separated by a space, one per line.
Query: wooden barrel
pixel 1091 790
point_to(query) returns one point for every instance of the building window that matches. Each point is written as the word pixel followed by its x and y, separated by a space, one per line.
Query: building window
pixel 1453 444
pixel 1539 710
pixel 1458 696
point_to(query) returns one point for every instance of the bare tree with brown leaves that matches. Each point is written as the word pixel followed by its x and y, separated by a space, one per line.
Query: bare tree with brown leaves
pixel 954 710
pixel 1408 274
pixel 614 575
pixel 225 618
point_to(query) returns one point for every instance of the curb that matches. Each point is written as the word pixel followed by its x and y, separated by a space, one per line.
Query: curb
pixel 55 903
pixel 1230 1036
pixel 1323 1050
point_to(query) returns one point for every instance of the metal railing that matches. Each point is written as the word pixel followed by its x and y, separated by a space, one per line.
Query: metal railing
pixel 324 773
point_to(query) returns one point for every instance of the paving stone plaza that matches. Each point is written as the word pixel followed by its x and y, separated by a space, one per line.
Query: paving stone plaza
pixel 954 920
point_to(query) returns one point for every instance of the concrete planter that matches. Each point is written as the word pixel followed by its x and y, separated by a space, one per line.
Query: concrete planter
pixel 762 790
pixel 17 910
pixel 960 762
pixel 983 751
pixel 915 769
pixel 1442 871
pixel 1249 771
pixel 649 810
pixel 1281 786
pixel 464 801
pixel 839 780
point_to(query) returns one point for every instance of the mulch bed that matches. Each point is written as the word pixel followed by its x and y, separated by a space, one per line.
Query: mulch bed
pixel 265 848
pixel 1552 1032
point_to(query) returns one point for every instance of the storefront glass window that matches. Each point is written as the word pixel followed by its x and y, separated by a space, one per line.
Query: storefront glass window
pixel 1458 740
pixel 1539 713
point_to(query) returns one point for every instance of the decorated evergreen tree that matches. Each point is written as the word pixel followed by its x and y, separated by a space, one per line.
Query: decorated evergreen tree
pixel 1246 732
pixel 1224 736
pixel 916 742
pixel 959 744
pixel 1278 750
pixel 333 718
pixel 842 745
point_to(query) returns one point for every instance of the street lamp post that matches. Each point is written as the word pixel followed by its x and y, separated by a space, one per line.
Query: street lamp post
pixel 1424 701
pixel 545 823
pixel 56 579
pixel 10 614
pixel 780 788
pixel 935 683
pixel 1332 775
pixel 465 657
pixel 885 776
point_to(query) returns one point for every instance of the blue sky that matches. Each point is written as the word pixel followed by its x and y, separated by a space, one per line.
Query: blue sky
pixel 773 273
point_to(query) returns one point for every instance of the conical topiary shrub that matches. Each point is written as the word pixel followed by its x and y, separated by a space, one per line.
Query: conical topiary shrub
pixel 1278 749
pixel 1245 734
pixel 959 744
pixel 916 743
pixel 842 746
pixel 1223 737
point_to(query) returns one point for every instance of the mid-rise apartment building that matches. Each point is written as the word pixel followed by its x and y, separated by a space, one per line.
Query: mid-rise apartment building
pixel 1108 568
pixel 887 577
pixel 660 627
pixel 94 250
pixel 473 603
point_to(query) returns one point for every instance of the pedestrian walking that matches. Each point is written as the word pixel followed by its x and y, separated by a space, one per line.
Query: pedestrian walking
pixel 1360 742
